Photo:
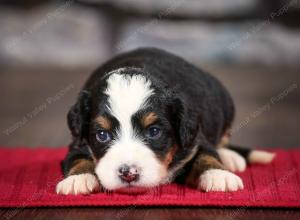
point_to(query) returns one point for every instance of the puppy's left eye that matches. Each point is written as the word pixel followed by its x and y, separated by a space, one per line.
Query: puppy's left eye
pixel 103 136
pixel 153 132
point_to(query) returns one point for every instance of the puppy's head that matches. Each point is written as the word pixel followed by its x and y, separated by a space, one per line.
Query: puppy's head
pixel 133 127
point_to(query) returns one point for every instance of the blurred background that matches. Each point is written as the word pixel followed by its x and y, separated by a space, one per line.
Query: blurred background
pixel 49 48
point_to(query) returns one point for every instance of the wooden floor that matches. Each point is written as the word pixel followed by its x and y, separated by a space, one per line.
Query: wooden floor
pixel 149 213
pixel 33 111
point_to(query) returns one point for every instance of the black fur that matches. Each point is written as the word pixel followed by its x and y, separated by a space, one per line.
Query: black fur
pixel 194 107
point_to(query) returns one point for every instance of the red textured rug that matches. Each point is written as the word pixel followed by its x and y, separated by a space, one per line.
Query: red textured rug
pixel 28 178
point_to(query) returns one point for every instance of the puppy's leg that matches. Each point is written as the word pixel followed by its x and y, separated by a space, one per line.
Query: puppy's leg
pixel 208 174
pixel 254 156
pixel 232 160
pixel 79 175
pixel 235 158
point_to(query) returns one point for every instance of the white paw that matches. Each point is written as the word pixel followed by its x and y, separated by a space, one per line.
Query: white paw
pixel 232 160
pixel 78 184
pixel 220 180
pixel 261 157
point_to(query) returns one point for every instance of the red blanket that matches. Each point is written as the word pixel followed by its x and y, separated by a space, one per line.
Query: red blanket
pixel 28 178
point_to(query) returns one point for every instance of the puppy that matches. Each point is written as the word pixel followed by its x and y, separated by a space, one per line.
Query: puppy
pixel 148 117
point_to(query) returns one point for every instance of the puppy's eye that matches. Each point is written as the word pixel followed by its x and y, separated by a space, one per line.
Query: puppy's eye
pixel 103 136
pixel 153 132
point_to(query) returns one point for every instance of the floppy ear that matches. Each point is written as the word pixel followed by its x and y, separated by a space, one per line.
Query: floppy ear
pixel 184 123
pixel 78 116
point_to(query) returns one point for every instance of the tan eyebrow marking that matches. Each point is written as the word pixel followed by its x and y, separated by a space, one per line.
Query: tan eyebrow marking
pixel 149 119
pixel 104 122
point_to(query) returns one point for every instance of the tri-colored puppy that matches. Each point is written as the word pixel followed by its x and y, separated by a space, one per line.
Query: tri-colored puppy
pixel 146 118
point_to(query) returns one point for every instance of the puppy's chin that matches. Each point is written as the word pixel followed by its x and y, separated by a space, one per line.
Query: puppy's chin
pixel 133 190
pixel 139 189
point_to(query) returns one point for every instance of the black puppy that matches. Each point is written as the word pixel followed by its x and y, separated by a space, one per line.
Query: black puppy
pixel 148 117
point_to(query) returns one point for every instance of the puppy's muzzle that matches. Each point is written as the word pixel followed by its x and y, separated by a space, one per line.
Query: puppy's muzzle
pixel 128 173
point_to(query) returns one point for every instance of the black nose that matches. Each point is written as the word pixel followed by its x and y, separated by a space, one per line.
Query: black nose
pixel 128 173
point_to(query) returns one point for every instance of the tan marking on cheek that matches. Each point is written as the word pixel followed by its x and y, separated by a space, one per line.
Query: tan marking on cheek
pixel 169 157
pixel 81 166
pixel 182 163
pixel 149 119
pixel 104 122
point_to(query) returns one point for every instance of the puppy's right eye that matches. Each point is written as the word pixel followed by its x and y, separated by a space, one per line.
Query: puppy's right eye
pixel 103 136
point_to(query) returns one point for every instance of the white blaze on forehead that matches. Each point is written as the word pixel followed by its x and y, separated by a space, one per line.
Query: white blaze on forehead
pixel 126 95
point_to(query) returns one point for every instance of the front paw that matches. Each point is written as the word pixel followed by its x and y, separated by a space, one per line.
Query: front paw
pixel 78 184
pixel 219 180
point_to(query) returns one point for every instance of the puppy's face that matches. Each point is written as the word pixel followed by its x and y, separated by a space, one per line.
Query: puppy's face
pixel 131 132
